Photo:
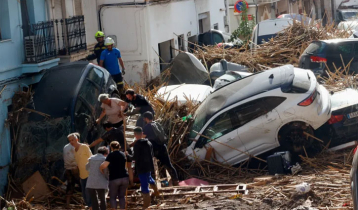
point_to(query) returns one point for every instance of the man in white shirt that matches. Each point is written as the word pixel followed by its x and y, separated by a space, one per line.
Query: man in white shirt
pixel 71 171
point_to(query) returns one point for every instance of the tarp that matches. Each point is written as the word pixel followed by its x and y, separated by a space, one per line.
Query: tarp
pixel 186 68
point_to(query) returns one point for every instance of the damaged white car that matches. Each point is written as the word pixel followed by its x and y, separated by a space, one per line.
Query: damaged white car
pixel 259 113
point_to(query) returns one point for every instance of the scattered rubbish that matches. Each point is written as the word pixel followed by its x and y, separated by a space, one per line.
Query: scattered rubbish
pixel 279 163
pixel 193 182
pixel 303 187
pixel 236 196
pixel 295 169
pixel 35 187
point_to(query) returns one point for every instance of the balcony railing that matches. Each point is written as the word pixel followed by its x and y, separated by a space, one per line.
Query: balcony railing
pixel 46 40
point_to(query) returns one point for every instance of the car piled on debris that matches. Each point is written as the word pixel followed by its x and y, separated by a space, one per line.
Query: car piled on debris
pixel 65 101
pixel 258 113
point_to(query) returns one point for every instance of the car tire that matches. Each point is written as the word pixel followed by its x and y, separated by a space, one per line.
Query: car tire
pixel 354 181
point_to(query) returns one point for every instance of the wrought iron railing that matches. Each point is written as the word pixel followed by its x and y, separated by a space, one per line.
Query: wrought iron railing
pixel 71 35
pixel 40 40
pixel 40 43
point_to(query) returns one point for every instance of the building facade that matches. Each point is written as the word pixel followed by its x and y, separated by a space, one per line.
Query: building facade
pixel 17 70
pixel 150 34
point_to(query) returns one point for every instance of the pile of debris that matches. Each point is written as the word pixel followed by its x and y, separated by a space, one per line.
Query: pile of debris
pixel 285 48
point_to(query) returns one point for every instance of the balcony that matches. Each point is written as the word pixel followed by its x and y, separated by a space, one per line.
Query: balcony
pixel 64 38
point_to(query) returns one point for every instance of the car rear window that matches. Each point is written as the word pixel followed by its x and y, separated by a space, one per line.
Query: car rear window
pixel 315 48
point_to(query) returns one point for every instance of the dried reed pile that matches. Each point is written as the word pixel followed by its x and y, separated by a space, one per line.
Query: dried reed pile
pixel 285 48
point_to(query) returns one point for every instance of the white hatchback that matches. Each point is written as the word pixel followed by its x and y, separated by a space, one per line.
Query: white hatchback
pixel 259 113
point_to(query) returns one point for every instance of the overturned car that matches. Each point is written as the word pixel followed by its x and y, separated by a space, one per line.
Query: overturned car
pixel 278 107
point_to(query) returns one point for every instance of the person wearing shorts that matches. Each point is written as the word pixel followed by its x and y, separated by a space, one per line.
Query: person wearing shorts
pixel 144 165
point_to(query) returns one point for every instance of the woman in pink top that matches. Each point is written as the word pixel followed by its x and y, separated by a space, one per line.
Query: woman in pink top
pixel 112 108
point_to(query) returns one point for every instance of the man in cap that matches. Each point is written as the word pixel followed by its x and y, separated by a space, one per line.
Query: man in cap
pixel 109 59
pixel 98 48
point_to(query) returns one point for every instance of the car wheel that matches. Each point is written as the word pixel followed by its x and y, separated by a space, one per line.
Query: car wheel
pixel 354 181
pixel 292 138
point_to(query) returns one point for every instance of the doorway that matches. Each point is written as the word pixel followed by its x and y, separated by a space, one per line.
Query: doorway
pixel 166 54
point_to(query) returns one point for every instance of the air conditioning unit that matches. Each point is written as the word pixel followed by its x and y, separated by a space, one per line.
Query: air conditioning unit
pixel 32 49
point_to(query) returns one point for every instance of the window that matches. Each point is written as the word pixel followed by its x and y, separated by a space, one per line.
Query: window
pixel 5 32
pixel 220 126
pixel 344 49
pixel 83 118
pixel 90 89
pixel 248 112
pixel 356 49
pixel 96 76
pixel 217 38
pixel 216 26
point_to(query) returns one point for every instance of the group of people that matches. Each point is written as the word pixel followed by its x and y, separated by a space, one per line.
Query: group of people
pixel 108 57
pixel 112 170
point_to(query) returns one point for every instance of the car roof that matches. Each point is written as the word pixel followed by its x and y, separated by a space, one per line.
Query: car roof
pixel 245 88
pixel 57 88
pixel 333 41
pixel 348 10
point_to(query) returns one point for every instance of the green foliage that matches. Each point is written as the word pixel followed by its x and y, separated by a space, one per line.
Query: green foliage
pixel 245 28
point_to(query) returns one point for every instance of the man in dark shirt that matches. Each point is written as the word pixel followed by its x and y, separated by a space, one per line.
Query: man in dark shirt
pixel 141 105
pixel 160 150
pixel 116 134
pixel 98 48
pixel 144 165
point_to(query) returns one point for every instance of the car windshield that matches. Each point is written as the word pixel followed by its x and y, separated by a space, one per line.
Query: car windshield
pixel 198 124
pixel 349 15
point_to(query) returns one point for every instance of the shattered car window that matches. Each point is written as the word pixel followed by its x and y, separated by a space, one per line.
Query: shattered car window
pixel 248 112
pixel 219 126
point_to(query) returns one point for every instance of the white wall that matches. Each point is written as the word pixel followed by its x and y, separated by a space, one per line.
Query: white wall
pixel 167 20
pixel 89 11
pixel 216 8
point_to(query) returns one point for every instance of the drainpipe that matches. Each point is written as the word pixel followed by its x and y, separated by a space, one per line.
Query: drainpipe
pixel 148 41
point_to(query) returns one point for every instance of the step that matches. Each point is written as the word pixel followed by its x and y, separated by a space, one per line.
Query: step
pixel 129 134
pixel 130 128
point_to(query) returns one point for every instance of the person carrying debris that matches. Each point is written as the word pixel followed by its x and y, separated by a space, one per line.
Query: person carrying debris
pixel 98 48
pixel 118 176
pixel 116 134
pixel 112 108
pixel 71 171
pixel 141 105
pixel 155 133
pixel 82 153
pixel 109 59
pixel 97 183
pixel 144 165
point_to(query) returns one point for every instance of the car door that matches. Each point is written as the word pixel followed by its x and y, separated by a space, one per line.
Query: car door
pixel 259 122
pixel 221 128
pixel 87 107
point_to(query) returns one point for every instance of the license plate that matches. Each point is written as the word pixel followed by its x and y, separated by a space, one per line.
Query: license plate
pixel 352 115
